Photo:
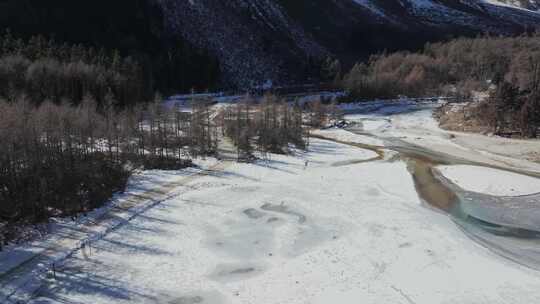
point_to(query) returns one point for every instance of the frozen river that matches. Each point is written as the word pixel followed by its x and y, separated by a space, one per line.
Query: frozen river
pixel 353 226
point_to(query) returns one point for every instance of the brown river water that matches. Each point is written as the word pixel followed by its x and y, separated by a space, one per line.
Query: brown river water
pixel 509 226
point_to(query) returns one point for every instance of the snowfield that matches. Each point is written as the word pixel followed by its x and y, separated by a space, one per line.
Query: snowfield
pixel 342 135
pixel 335 224
pixel 281 232
pixel 414 124
pixel 491 181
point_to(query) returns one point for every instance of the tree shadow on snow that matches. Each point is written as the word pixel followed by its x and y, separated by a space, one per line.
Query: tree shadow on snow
pixel 228 174
pixel 80 281
pixel 121 247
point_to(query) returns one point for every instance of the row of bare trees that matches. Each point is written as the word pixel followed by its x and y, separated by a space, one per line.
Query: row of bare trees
pixel 273 125
pixel 481 61
pixel 58 159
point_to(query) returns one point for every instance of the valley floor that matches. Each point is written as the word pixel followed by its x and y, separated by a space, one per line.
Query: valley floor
pixel 317 227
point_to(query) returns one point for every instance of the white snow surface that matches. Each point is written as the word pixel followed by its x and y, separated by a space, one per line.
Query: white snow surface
pixel 316 227
pixel 414 123
pixel 281 232
pixel 490 181
pixel 346 136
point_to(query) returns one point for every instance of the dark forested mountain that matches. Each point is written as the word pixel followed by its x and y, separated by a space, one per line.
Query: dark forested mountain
pixel 242 43
pixel 134 27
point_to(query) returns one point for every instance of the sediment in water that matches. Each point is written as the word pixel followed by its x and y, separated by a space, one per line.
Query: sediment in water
pixel 487 219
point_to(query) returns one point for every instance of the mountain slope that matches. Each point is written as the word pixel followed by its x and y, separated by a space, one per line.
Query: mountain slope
pixel 491 16
pixel 284 40
pixel 254 41
pixel 134 27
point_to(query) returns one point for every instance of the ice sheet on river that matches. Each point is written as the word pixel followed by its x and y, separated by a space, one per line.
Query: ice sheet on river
pixel 278 232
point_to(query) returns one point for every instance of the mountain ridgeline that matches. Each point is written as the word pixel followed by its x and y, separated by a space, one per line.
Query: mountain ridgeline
pixel 204 44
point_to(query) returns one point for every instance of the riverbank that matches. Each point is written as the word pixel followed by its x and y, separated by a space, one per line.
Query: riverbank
pixel 415 124
pixel 457 120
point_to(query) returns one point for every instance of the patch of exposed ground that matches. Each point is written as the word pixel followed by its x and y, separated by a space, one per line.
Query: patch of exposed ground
pixel 461 118
pixel 464 117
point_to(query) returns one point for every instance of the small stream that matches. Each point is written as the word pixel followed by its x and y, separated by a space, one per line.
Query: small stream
pixel 509 226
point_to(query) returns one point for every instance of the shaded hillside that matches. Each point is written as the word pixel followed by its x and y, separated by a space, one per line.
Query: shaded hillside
pixel 255 40
pixel 353 32
pixel 135 27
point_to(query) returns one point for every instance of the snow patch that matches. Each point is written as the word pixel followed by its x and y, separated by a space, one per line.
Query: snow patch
pixel 346 136
pixel 490 181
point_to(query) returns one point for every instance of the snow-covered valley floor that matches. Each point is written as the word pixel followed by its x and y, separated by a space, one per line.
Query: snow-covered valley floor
pixel 335 231
pixel 278 232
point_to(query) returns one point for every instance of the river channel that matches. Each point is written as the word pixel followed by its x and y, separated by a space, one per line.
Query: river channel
pixel 509 226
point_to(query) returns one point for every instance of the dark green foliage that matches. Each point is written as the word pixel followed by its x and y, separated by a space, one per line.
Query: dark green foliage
pixel 44 70
pixel 134 27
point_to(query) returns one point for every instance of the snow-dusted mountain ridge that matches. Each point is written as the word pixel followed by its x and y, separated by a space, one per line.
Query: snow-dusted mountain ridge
pixel 533 5
pixel 280 40
pixel 244 43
